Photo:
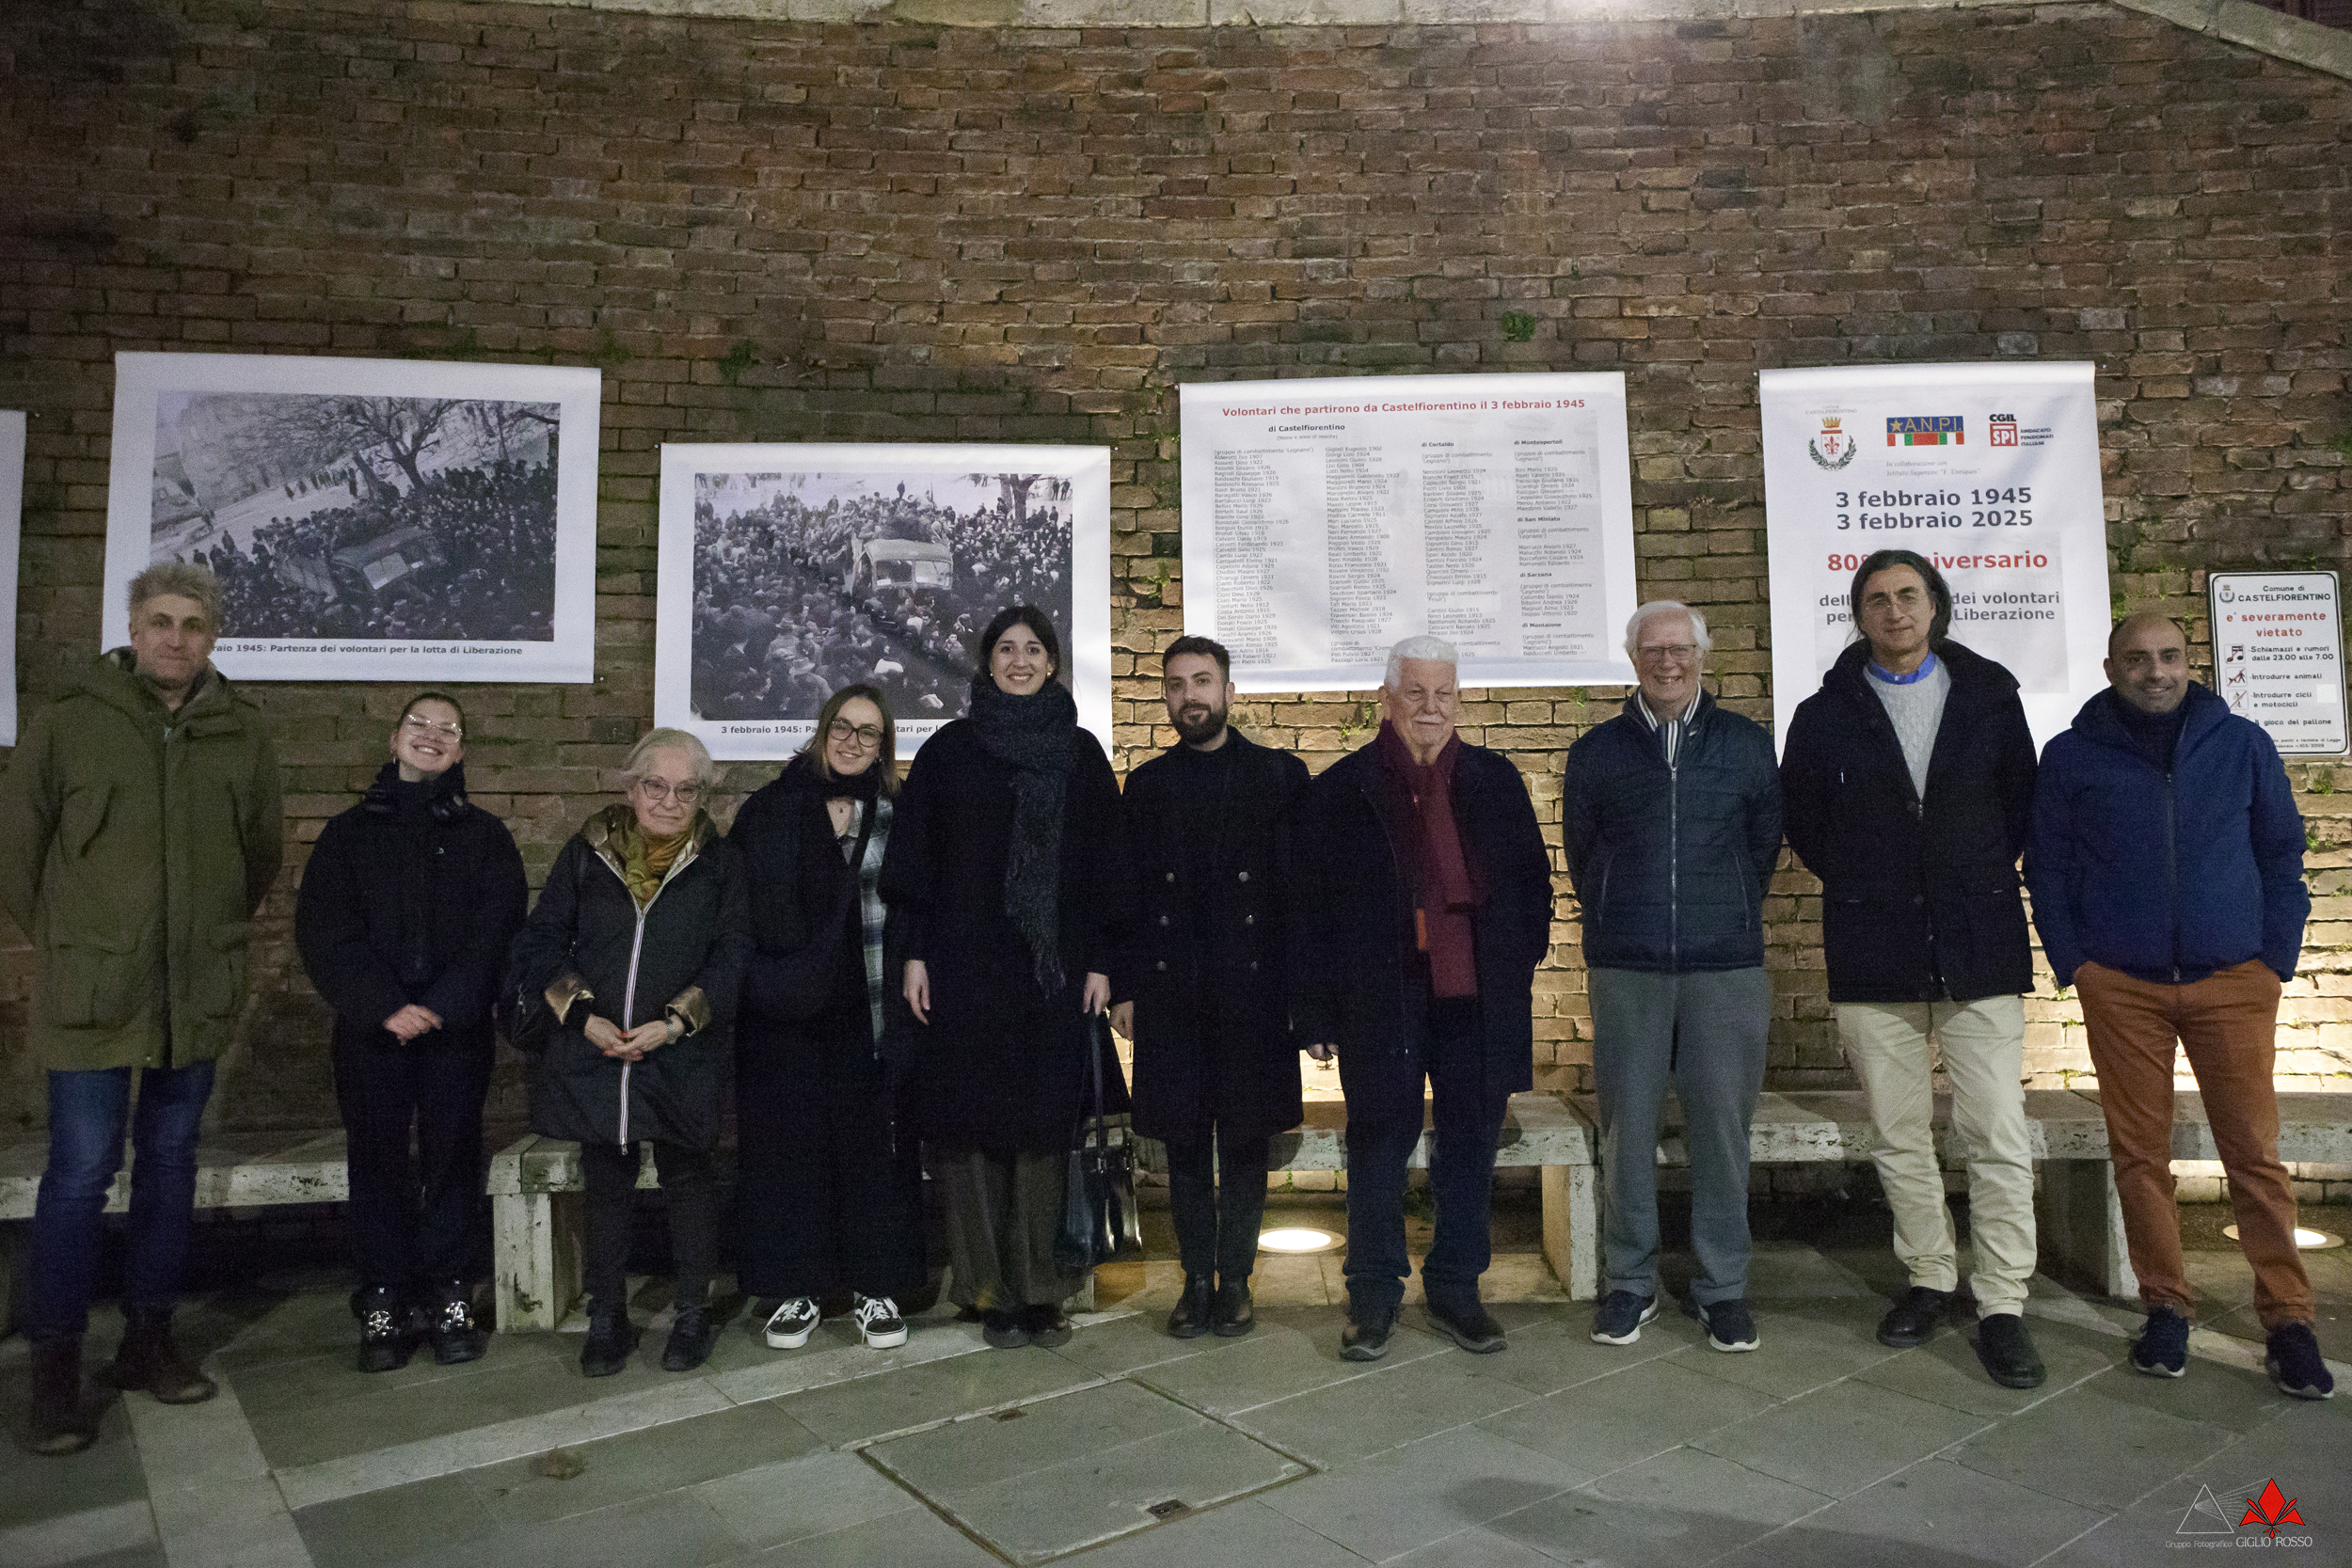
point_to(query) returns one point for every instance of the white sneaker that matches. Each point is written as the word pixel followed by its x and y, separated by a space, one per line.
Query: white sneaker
pixel 878 1321
pixel 789 1326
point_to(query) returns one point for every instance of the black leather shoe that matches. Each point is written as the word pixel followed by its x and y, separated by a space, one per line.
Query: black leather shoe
pixel 1190 1318
pixel 2007 1351
pixel 386 1338
pixel 1232 1314
pixel 612 1341
pixel 691 1333
pixel 1049 1326
pixel 1366 1336
pixel 456 1336
pixel 1468 1324
pixel 1003 1330
pixel 1915 1319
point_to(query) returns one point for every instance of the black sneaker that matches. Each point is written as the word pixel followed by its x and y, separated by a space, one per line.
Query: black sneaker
pixel 691 1333
pixel 1047 1325
pixel 387 1338
pixel 1730 1325
pixel 612 1341
pixel 457 1337
pixel 1193 1313
pixel 2295 1366
pixel 1468 1324
pixel 1232 1315
pixel 2007 1351
pixel 1366 1336
pixel 879 1322
pixel 1002 1330
pixel 1618 1319
pixel 1913 1320
pixel 2162 1347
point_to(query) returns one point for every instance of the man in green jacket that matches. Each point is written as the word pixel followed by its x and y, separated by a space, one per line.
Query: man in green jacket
pixel 139 830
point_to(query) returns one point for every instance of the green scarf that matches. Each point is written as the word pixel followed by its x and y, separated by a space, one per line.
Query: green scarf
pixel 645 861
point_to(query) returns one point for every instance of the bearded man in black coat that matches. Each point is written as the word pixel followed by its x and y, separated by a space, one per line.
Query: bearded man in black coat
pixel 1424 902
pixel 1203 981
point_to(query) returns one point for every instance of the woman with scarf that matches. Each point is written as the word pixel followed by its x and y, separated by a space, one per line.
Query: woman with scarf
pixel 1005 886
pixel 636 951
pixel 829 1193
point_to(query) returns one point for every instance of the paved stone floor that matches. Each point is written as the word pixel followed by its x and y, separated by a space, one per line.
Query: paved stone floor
pixel 1823 1448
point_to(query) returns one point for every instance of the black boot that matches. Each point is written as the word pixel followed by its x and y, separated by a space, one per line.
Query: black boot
pixel 691 1333
pixel 58 1424
pixel 612 1340
pixel 148 1360
pixel 1232 1315
pixel 457 1337
pixel 386 1338
pixel 1190 1316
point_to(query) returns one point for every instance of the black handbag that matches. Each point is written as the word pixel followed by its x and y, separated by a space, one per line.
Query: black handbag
pixel 1099 1221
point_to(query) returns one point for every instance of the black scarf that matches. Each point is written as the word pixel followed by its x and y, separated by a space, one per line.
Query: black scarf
pixel 1032 735
pixel 840 786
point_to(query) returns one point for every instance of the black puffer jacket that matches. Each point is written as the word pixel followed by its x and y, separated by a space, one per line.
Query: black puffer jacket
pixel 1671 865
pixel 1919 898
pixel 385 917
pixel 583 936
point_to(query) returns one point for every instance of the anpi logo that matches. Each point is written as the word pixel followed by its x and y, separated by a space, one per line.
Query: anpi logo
pixel 2261 1516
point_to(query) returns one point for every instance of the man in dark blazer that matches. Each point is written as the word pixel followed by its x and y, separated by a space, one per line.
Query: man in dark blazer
pixel 1425 905
pixel 1908 782
pixel 1204 981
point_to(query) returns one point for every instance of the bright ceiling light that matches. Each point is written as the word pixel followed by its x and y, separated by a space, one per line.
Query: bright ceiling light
pixel 1296 1238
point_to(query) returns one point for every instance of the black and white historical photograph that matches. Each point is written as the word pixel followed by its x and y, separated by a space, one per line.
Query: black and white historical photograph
pixel 791 571
pixel 411 519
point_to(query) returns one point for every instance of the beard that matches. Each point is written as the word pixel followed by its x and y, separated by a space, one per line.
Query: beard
pixel 1198 726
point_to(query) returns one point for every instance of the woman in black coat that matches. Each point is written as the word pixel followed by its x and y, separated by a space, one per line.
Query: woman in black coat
pixel 830 1179
pixel 1004 879
pixel 636 953
pixel 407 909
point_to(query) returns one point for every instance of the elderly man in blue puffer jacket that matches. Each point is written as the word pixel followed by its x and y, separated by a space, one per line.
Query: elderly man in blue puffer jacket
pixel 1671 815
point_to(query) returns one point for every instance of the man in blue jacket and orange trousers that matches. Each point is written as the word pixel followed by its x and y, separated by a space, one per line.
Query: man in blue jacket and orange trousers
pixel 2167 867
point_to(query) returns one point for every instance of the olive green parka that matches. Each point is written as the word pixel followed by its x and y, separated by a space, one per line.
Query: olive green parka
pixel 135 844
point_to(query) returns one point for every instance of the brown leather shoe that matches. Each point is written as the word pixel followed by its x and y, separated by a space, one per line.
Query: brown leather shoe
pixel 150 1361
pixel 59 1425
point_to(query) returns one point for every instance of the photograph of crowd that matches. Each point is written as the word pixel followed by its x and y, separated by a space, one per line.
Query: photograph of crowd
pixel 806 582
pixel 353 517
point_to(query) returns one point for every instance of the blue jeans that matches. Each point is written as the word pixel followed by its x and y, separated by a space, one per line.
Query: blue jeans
pixel 1466 1120
pixel 86 1114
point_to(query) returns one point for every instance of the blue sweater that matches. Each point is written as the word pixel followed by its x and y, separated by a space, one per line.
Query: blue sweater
pixel 2167 876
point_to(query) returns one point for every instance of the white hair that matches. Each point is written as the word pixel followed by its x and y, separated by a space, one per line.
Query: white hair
pixel 1434 648
pixel 1661 606
pixel 639 764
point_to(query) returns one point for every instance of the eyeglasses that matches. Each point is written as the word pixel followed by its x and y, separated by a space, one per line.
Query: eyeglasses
pixel 427 726
pixel 662 789
pixel 862 734
pixel 1674 653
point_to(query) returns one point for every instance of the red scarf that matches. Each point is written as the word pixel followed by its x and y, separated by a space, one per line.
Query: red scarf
pixel 1446 889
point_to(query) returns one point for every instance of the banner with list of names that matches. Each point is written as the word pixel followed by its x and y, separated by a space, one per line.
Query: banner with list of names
pixel 1990 472
pixel 1327 520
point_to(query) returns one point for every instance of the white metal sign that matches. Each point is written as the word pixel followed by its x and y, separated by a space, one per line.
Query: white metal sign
pixel 2278 657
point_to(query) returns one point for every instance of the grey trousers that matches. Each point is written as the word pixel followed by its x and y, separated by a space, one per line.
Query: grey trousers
pixel 1706 1035
pixel 1003 1214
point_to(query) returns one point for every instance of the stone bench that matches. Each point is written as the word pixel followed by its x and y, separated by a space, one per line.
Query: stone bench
pixel 535 1198
pixel 239 1171
pixel 2078 1220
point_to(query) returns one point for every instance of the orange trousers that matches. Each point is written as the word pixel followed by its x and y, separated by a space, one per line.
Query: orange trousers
pixel 2228 1025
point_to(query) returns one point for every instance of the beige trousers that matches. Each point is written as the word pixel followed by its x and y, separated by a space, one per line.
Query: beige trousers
pixel 1984 1053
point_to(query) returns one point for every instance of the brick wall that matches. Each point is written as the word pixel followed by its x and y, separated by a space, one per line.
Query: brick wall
pixel 774 231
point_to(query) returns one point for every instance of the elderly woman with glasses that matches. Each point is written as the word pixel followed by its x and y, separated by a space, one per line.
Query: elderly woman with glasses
pixel 636 951
pixel 829 1193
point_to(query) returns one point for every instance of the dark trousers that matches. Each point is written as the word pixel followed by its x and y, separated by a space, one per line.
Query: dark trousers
pixel 1004 1211
pixel 88 1114
pixel 692 1186
pixel 1217 1207
pixel 1443 1045
pixel 416 1216
pixel 828 1187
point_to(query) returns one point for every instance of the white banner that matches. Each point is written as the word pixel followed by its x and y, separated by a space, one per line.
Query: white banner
pixel 1327 520
pixel 11 534
pixel 2277 646
pixel 789 572
pixel 370 519
pixel 1990 472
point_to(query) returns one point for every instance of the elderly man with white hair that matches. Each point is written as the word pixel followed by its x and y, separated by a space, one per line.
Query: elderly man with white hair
pixel 1669 815
pixel 1424 906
